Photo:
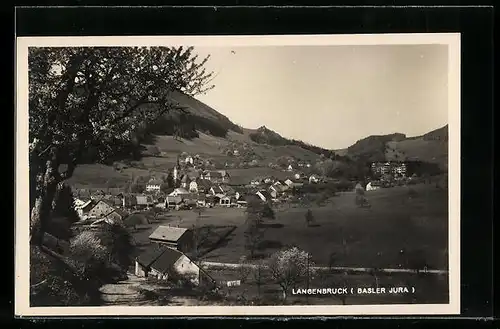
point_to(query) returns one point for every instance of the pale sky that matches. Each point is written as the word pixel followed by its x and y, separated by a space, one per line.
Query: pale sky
pixel 331 96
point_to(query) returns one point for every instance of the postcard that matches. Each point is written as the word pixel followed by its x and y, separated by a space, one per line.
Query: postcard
pixel 311 175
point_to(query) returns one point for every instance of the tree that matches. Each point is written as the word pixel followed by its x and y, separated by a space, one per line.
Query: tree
pixel 253 235
pixel 94 103
pixel 170 180
pixel 258 275
pixel 309 217
pixel 243 270
pixel 65 204
pixel 289 267
pixel 137 188
pixel 118 243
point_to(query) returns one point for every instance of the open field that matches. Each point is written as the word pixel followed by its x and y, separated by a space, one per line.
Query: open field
pixel 373 236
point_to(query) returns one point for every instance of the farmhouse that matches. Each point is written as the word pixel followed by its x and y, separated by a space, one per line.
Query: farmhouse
pixel 170 264
pixel 289 168
pixel 174 237
pixel 153 185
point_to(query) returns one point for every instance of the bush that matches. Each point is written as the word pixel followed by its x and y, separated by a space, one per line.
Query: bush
pixel 54 283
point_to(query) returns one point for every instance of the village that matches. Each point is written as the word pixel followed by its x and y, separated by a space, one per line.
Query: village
pixel 168 246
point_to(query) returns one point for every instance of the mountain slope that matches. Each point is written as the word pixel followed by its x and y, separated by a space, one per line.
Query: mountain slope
pixel 431 147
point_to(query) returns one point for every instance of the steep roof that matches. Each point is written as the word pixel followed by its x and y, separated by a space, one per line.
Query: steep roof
pixel 168 233
pixel 166 260
pixel 265 194
pixel 147 257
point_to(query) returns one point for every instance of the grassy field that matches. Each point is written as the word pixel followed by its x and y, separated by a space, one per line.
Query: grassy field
pixel 373 236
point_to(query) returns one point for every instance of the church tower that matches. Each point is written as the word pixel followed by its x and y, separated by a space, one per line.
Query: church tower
pixel 176 170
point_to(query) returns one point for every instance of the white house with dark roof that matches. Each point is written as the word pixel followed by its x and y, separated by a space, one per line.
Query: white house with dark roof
pixel 154 185
pixel 169 264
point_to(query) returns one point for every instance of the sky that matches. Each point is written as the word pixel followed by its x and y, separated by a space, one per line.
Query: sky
pixel 331 96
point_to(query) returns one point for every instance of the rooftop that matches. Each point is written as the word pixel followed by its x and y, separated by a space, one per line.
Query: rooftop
pixel 168 233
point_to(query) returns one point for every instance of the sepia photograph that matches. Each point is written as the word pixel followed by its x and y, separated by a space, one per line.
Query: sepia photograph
pixel 238 175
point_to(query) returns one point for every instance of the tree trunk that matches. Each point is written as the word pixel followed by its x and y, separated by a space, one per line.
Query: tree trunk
pixel 44 204
pixel 284 295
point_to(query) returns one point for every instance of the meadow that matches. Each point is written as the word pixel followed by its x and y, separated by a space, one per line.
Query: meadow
pixel 400 227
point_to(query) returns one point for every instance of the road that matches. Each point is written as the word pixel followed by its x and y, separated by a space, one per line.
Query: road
pixel 335 268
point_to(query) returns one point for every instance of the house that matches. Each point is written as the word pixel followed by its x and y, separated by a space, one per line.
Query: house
pixel 313 179
pixel 371 186
pixel 217 189
pixel 268 180
pixel 274 191
pixel 264 195
pixel 240 200
pixel 203 185
pixel 173 201
pixel 179 192
pixel 143 201
pixel 201 201
pixel 189 160
pixel 193 187
pixel 83 207
pixel 174 237
pixel 169 264
pixel 99 209
pixel 289 182
pixel 297 176
pixel 153 185
pixel 184 181
pixel 116 216
pixel 289 168
pixel 220 176
pixel 225 201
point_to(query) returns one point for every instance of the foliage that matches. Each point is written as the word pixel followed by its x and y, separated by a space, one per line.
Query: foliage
pixel 89 255
pixel 117 241
pixel 137 188
pixel 54 283
pixel 92 104
pixel 243 270
pixel 65 205
pixel 289 267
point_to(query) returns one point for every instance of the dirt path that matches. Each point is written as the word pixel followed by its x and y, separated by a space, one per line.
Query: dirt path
pixel 127 293
pixel 123 292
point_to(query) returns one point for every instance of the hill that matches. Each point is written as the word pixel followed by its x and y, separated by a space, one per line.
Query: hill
pixel 198 129
pixel 431 147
